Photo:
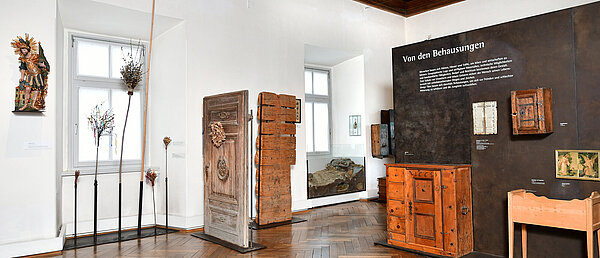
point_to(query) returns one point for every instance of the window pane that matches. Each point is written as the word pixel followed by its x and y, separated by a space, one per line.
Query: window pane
pixel 133 135
pixel 309 126
pixel 321 127
pixel 88 99
pixel 92 59
pixel 117 54
pixel 308 82
pixel 321 83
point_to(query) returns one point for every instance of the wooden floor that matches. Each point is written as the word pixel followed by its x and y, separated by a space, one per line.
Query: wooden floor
pixel 344 230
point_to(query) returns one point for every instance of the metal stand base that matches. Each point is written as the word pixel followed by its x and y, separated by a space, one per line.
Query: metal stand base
pixel 255 226
pixel 113 237
pixel 224 243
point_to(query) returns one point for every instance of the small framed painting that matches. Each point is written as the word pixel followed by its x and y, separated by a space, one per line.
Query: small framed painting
pixel 355 125
pixel 298 111
pixel 577 164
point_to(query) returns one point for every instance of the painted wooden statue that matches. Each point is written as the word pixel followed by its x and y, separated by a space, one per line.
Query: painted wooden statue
pixel 34 68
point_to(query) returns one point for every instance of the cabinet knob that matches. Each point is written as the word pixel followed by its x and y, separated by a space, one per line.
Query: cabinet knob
pixel 464 210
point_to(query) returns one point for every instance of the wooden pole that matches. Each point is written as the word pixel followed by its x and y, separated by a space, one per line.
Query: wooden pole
pixel 139 229
pixel 166 189
pixel 121 162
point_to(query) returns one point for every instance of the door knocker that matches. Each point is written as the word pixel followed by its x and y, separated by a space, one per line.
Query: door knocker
pixel 217 134
pixel 222 169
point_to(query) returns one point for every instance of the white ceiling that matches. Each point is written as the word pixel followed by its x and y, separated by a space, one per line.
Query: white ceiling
pixel 327 56
pixel 108 19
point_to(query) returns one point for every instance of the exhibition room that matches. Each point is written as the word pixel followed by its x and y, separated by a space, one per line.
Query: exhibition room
pixel 300 128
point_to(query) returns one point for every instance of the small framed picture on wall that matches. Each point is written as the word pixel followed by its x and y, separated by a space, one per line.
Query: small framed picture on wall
pixel 298 111
pixel 355 125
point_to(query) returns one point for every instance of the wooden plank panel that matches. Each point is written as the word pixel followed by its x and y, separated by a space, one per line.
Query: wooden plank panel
pixel 270 142
pixel 267 98
pixel 276 152
pixel 287 101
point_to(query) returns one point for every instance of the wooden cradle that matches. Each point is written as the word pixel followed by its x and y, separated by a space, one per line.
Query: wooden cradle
pixel 527 208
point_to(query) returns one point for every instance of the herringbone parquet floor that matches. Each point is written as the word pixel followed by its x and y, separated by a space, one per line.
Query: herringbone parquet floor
pixel 343 230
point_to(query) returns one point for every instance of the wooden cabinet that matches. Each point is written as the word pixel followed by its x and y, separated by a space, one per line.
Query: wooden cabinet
pixel 532 111
pixel 429 208
pixel 382 192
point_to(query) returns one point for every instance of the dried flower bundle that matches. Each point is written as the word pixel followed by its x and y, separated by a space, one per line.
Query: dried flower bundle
pixel 132 71
pixel 166 140
pixel 151 176
pixel 101 122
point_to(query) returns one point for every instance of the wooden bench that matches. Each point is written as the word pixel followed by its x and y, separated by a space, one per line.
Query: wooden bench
pixel 527 208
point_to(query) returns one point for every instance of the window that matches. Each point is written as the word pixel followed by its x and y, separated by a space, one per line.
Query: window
pixel 316 89
pixel 95 78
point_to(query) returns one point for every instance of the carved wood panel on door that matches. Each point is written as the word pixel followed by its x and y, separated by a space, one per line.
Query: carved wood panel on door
pixel 225 134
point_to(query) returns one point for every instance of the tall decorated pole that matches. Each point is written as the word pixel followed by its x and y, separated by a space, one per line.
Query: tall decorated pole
pixel 131 75
pixel 139 228
pixel 151 176
pixel 166 141
pixel 101 122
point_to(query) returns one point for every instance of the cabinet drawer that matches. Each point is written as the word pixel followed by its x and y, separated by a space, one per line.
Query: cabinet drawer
pixel 396 236
pixel 396 208
pixel 395 174
pixel 396 191
pixel 396 224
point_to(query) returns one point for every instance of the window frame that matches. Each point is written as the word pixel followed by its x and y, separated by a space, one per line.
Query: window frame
pixel 315 98
pixel 75 82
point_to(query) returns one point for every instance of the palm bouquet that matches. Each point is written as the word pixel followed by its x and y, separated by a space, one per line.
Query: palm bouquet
pixel 102 123
pixel 131 75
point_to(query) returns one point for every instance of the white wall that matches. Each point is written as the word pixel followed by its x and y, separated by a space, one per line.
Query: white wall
pixel 28 188
pixel 260 47
pixel 347 98
pixel 473 14
pixel 168 103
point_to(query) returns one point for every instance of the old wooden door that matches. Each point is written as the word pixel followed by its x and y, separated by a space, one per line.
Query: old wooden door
pixel 225 167
pixel 424 208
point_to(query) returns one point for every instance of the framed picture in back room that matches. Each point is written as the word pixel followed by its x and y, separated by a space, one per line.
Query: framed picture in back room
pixel 354 125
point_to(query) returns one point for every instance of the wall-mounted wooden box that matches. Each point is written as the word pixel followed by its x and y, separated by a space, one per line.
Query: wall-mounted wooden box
pixel 379 140
pixel 429 208
pixel 532 111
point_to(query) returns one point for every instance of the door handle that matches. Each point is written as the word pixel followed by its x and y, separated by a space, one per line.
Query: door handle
pixel 409 208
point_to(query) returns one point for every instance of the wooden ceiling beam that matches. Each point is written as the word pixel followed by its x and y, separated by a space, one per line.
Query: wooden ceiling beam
pixel 407 8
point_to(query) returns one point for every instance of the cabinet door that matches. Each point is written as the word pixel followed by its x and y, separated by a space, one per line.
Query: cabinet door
pixel 424 208
pixel 525 111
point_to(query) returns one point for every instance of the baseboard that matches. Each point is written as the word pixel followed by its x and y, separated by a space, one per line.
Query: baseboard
pixel 41 246
pixel 301 205
pixel 372 193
